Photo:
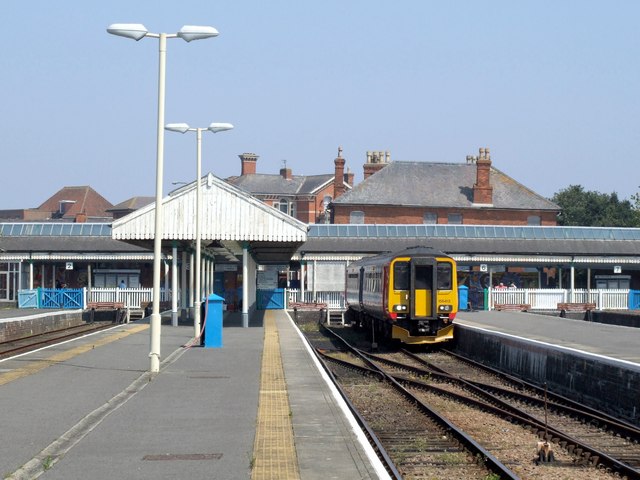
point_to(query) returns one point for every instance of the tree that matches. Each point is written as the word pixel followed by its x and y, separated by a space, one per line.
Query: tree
pixel 595 209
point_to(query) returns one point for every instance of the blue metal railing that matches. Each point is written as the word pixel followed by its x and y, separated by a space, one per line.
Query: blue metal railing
pixel 62 298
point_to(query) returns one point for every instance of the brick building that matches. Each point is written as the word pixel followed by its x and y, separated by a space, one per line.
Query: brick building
pixel 440 193
pixel 69 204
pixel 304 197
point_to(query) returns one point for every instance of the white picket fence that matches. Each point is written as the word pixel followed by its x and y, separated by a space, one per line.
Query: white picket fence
pixel 538 298
pixel 548 299
pixel 131 297
pixel 334 300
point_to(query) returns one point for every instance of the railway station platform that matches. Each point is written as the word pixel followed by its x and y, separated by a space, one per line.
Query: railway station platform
pixel 596 363
pixel 256 408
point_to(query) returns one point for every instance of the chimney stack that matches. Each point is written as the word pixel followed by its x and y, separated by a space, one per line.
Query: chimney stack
pixel 248 161
pixel 348 177
pixel 286 173
pixel 338 184
pixel 376 161
pixel 482 190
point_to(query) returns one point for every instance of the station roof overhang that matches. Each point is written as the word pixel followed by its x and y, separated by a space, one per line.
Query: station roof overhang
pixel 579 253
pixel 231 219
pixel 70 248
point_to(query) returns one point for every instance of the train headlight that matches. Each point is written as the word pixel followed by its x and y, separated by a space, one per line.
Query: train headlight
pixel 399 308
pixel 444 308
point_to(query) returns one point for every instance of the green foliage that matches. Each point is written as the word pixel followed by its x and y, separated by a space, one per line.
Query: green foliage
pixel 595 209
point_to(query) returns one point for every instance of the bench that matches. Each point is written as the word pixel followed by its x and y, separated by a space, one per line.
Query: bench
pixel 512 307
pixel 121 314
pixel 576 307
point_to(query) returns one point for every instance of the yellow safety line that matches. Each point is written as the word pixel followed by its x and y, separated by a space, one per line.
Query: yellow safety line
pixel 36 366
pixel 274 452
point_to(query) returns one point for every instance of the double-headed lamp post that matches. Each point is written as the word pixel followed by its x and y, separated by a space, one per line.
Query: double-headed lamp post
pixel 184 128
pixel 137 31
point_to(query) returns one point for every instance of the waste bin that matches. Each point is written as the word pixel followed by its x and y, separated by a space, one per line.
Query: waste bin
pixel 463 297
pixel 212 332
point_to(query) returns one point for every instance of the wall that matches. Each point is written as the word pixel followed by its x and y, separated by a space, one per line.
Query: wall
pixel 413 215
pixel 38 323
pixel 613 387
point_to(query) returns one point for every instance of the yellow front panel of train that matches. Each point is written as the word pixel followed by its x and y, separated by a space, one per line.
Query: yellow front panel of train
pixel 423 303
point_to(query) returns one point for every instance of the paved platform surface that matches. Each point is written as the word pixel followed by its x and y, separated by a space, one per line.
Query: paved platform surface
pixel 89 409
pixel 612 341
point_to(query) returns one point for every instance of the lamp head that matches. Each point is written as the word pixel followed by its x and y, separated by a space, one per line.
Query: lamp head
pixel 220 127
pixel 135 31
pixel 177 127
pixel 195 32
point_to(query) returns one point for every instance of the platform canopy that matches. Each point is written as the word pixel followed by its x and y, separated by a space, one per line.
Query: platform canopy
pixel 231 219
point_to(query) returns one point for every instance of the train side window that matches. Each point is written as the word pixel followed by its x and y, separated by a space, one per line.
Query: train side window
pixel 401 276
pixel 444 276
pixel 423 277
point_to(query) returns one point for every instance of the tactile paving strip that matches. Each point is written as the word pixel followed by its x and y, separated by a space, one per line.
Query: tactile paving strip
pixel 274 452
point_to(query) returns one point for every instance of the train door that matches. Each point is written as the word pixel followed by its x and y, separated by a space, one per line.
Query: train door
pixel 422 281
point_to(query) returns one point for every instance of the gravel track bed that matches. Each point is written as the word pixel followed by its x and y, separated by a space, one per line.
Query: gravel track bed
pixel 511 444
pixel 417 446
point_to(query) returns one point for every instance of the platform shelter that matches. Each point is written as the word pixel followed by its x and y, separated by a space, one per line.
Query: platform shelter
pixel 236 228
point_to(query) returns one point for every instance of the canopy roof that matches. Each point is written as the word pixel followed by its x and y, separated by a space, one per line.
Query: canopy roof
pixel 231 218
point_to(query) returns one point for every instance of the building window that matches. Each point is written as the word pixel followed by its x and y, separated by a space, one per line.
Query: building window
pixel 454 218
pixel 430 218
pixel 285 206
pixel 356 217
pixel 533 220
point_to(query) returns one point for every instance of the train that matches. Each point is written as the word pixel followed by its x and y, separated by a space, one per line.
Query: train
pixel 408 297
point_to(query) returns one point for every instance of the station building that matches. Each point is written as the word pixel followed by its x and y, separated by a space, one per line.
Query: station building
pixel 495 228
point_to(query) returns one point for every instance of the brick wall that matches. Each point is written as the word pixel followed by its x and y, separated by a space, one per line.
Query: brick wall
pixel 415 215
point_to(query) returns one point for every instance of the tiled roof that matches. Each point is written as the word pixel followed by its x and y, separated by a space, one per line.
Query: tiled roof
pixel 81 200
pixel 132 203
pixel 277 185
pixel 440 185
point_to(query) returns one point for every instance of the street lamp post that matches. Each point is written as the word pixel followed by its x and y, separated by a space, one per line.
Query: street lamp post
pixel 184 128
pixel 137 32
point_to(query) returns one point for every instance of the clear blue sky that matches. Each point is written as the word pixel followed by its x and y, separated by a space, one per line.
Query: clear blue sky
pixel 551 87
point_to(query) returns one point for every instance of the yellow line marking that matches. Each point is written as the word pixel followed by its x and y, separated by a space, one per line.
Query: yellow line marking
pixel 36 366
pixel 274 450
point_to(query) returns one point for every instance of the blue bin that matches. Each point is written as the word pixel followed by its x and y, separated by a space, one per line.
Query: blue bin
pixel 463 297
pixel 212 334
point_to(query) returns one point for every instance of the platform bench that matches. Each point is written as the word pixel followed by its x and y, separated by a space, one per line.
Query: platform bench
pixel 512 307
pixel 576 307
pixel 121 314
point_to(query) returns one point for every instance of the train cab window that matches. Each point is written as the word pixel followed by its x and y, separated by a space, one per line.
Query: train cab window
pixel 423 277
pixel 401 276
pixel 444 276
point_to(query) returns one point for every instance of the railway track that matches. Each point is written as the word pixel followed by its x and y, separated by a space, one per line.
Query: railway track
pixel 33 342
pixel 581 439
pixel 412 440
